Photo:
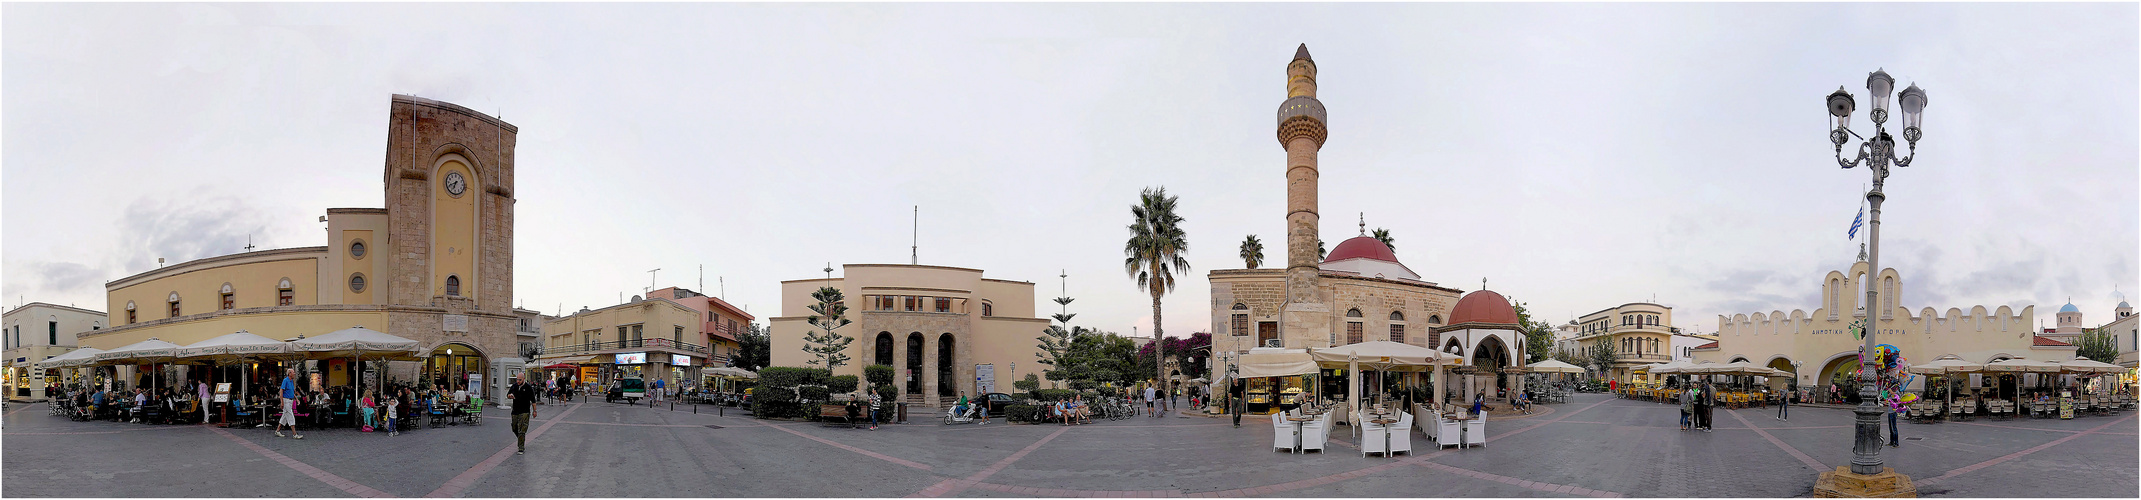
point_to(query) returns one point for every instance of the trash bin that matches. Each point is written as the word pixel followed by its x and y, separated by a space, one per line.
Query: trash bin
pixel 902 414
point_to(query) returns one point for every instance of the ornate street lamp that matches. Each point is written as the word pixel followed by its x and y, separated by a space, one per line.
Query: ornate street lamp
pixel 1877 153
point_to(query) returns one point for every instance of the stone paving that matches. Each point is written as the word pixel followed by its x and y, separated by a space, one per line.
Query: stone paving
pixel 1594 446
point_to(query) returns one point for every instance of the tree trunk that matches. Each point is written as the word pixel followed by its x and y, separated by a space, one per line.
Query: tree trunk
pixel 1159 347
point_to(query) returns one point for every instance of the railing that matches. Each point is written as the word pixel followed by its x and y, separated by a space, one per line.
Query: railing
pixel 1643 357
pixel 655 343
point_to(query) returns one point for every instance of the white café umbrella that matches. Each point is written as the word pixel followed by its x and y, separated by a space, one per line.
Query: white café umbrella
pixel 1382 355
pixel 237 347
pixel 71 359
pixel 357 342
pixel 2086 365
pixel 147 350
pixel 1553 366
pixel 730 371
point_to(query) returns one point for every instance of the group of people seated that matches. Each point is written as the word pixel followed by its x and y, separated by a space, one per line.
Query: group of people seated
pixel 1073 410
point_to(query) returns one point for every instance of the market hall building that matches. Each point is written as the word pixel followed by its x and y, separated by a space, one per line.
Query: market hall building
pixel 435 265
pixel 943 330
pixel 1818 347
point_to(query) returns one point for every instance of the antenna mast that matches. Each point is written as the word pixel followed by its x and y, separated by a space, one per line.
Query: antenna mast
pixel 914 256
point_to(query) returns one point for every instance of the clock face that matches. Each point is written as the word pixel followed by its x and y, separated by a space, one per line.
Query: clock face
pixel 455 185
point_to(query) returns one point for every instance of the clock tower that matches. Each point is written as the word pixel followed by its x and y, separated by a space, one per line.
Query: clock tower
pixel 449 204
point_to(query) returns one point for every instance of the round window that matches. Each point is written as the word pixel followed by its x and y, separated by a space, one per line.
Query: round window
pixel 356 249
pixel 356 282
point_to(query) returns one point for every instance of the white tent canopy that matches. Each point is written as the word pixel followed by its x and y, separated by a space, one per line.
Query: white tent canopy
pixel 1945 365
pixel 1553 366
pixel 234 346
pixel 2022 365
pixel 140 351
pixel 1275 362
pixel 1383 355
pixel 1665 368
pixel 730 371
pixel 2086 365
pixel 357 341
pixel 71 358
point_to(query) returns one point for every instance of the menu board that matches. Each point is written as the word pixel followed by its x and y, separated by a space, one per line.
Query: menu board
pixel 223 392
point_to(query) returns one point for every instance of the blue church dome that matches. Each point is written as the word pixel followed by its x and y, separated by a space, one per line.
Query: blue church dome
pixel 2069 308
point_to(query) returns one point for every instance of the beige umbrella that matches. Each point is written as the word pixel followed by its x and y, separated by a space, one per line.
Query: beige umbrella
pixel 2086 365
pixel 2019 365
pixel 1945 365
pixel 1553 366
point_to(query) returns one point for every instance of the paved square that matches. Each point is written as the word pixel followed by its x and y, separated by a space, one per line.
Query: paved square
pixel 1594 446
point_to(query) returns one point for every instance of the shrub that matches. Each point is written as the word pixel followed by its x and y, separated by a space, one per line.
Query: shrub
pixel 1029 384
pixel 1022 413
pixel 813 394
pixel 877 375
pixel 776 394
pixel 888 392
pixel 842 384
pixel 1053 394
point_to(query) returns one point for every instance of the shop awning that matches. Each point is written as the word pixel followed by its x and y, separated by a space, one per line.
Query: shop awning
pixel 1275 362
pixel 563 362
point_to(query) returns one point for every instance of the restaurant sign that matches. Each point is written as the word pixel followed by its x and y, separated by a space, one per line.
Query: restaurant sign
pixel 631 358
pixel 679 360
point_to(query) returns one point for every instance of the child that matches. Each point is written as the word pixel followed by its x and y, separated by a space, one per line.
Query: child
pixel 392 406
pixel 368 408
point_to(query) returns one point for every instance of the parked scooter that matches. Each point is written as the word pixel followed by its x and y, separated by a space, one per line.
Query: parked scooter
pixel 973 413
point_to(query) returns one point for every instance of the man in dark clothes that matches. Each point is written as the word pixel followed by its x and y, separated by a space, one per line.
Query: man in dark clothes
pixel 1234 400
pixel 524 399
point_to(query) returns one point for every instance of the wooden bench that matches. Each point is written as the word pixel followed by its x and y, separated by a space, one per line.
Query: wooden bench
pixel 842 411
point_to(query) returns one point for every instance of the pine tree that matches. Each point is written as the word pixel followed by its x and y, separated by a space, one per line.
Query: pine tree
pixel 828 314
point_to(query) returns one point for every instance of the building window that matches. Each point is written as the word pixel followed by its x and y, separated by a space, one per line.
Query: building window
pixel 1397 316
pixel 1434 319
pixel 174 305
pixel 356 250
pixel 130 315
pixel 1397 333
pixel 680 334
pixel 356 284
pixel 988 309
pixel 621 337
pixel 453 286
pixel 286 295
pixel 639 332
pixel 52 333
pixel 944 304
pixel 1353 332
pixel 230 301
pixel 1240 326
pixel 1353 313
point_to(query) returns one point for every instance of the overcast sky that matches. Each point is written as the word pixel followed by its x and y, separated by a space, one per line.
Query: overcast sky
pixel 1577 156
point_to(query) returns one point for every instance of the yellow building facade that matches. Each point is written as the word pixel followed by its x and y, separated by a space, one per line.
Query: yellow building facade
pixel 649 339
pixel 943 330
pixel 1638 333
pixel 435 265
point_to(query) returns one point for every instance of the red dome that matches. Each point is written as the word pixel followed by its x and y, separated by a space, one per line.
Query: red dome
pixel 1362 247
pixel 1483 306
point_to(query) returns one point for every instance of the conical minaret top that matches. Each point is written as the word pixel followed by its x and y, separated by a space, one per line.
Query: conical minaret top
pixel 1301 75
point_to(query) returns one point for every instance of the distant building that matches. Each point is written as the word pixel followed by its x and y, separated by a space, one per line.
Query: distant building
pixel 723 321
pixel 943 330
pixel 1639 333
pixel 35 332
pixel 648 339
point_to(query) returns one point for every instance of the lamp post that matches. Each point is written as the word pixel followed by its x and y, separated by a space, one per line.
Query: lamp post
pixel 1877 153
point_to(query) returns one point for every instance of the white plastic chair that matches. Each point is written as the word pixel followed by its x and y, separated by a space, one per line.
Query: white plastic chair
pixel 1371 437
pixel 1282 433
pixel 1312 434
pixel 1401 440
pixel 1446 432
pixel 1476 430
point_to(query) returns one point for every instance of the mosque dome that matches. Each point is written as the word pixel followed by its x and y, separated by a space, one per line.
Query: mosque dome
pixel 1483 306
pixel 2069 308
pixel 1362 247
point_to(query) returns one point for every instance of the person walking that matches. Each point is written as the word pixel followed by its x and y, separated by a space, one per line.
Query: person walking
pixel 1687 408
pixel 524 397
pixel 1709 404
pixel 1151 395
pixel 659 385
pixel 1173 398
pixel 1784 403
pixel 1234 403
pixel 289 405
pixel 202 389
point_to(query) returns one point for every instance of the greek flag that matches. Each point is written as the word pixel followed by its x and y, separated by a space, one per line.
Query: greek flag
pixel 1856 222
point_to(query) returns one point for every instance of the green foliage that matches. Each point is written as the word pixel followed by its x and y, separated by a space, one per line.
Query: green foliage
pixel 754 349
pixel 1028 384
pixel 1252 252
pixel 843 384
pixel 1602 355
pixel 776 395
pixel 878 375
pixel 1383 235
pixel 888 392
pixel 1568 356
pixel 814 394
pixel 1022 413
pixel 1083 384
pixel 1053 394
pixel 829 314
pixel 1055 343
pixel 1538 336
pixel 1153 255
pixel 2098 345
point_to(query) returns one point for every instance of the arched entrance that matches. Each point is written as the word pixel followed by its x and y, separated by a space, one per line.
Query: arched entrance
pixel 884 349
pixel 1786 365
pixel 1837 380
pixel 450 364
pixel 1491 358
pixel 947 385
pixel 913 370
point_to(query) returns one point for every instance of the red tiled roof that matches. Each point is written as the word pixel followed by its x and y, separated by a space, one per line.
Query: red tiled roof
pixel 2039 341
pixel 1480 306
pixel 1711 345
pixel 1359 247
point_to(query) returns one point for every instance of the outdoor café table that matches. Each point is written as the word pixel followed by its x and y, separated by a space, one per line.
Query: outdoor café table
pixel 1386 422
pixel 1299 422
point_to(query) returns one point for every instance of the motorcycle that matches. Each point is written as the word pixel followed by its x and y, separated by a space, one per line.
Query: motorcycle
pixel 973 412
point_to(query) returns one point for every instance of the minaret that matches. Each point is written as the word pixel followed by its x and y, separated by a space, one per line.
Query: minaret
pixel 1306 319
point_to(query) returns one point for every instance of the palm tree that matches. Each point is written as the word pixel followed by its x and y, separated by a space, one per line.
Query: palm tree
pixel 1320 252
pixel 1154 255
pixel 1383 235
pixel 1252 252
